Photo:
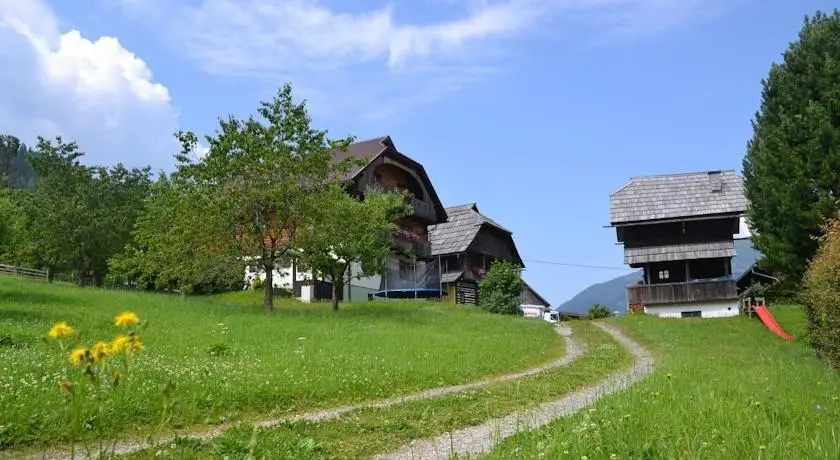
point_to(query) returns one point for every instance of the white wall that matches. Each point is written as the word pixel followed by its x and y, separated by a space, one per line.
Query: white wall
pixel 282 278
pixel 743 229
pixel 714 309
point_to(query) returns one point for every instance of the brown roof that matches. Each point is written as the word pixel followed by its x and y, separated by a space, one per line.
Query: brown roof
pixel 369 149
pixel 372 148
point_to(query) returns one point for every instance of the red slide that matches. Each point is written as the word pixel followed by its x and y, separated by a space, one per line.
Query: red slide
pixel 769 321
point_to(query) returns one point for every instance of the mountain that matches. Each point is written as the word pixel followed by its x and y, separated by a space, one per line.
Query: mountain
pixel 613 293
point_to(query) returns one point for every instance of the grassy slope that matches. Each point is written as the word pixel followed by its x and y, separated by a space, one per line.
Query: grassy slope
pixel 363 433
pixel 722 389
pixel 300 358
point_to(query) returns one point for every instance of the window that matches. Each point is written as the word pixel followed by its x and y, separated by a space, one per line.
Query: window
pixel 664 275
pixel 691 314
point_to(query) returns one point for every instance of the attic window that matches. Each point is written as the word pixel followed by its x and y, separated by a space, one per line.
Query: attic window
pixel 715 181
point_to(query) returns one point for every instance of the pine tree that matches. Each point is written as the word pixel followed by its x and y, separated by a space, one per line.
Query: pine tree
pixel 792 165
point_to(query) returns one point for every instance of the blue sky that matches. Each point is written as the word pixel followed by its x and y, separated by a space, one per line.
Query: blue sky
pixel 534 109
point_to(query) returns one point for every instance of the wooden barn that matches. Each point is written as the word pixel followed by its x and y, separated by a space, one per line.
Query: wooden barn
pixel 679 229
pixel 468 243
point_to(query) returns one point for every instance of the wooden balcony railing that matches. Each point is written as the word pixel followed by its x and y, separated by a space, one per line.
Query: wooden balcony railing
pixel 692 291
pixel 405 241
pixel 423 209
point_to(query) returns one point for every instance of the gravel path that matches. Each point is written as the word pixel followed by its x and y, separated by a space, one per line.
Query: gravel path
pixel 482 438
pixel 573 350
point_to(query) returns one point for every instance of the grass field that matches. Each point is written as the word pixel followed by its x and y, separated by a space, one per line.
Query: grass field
pixel 231 361
pixel 365 432
pixel 723 389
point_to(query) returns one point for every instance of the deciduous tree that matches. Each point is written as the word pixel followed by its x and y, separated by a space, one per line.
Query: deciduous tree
pixel 501 288
pixel 265 177
pixel 345 230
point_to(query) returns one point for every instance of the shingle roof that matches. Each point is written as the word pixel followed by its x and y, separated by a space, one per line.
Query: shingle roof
pixel 678 195
pixel 679 252
pixel 369 149
pixel 458 232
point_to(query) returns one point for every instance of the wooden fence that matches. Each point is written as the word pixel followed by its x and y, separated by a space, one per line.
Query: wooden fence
pixel 24 272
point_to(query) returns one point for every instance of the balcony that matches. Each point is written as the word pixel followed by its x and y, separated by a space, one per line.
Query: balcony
pixel 410 242
pixel 423 209
pixel 692 291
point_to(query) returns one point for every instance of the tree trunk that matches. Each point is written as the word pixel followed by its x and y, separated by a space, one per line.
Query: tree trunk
pixel 268 288
pixel 50 274
pixel 336 289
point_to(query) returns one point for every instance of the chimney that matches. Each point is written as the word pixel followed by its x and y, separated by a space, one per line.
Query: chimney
pixel 715 181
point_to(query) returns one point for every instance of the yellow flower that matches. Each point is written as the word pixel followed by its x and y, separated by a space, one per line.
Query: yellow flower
pixel 60 330
pixel 126 318
pixel 119 344
pixel 135 344
pixel 79 355
pixel 100 351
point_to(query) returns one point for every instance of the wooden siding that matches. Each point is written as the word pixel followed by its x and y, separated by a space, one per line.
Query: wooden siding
pixel 695 291
pixel 650 254
pixel 466 292
pixel 494 244
pixel 682 232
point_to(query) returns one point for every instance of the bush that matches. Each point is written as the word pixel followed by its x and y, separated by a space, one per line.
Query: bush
pixel 822 296
pixel 599 311
pixel 501 289
pixel 257 284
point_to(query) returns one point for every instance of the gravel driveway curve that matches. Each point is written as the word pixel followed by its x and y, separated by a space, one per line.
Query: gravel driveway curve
pixel 573 350
pixel 477 439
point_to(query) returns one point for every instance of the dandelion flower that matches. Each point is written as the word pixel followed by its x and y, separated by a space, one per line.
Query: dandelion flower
pixel 60 330
pixel 126 318
pixel 100 351
pixel 135 344
pixel 79 355
pixel 120 344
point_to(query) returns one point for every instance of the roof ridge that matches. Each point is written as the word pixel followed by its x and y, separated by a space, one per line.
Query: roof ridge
pixel 692 173
pixel 378 138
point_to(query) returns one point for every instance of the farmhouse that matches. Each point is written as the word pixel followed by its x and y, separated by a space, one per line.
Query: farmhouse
pixel 412 271
pixel 679 229
pixel 468 243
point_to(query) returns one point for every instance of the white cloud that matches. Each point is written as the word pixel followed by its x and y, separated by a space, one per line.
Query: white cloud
pixel 94 92
pixel 323 48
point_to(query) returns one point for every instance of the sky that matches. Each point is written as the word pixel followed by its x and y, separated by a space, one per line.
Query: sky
pixel 536 110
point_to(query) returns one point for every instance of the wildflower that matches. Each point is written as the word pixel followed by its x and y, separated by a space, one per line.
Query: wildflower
pixel 100 351
pixel 762 447
pixel 79 355
pixel 135 344
pixel 127 318
pixel 60 330
pixel 120 344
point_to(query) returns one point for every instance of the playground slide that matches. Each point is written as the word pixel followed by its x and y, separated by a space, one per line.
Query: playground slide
pixel 769 321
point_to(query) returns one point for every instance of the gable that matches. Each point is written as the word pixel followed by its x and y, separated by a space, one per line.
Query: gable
pixel 374 151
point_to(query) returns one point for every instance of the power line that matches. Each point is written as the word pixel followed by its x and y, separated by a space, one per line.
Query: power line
pixel 578 265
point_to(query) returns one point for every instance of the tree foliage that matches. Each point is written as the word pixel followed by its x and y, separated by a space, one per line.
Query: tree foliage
pixel 822 295
pixel 501 288
pixel 791 164
pixel 345 230
pixel 599 311
pixel 260 183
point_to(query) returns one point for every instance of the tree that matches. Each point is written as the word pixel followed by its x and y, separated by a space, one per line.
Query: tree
pixel 264 177
pixel 171 246
pixel 791 163
pixel 599 311
pixel 59 212
pixel 345 230
pixel 501 288
pixel 9 148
